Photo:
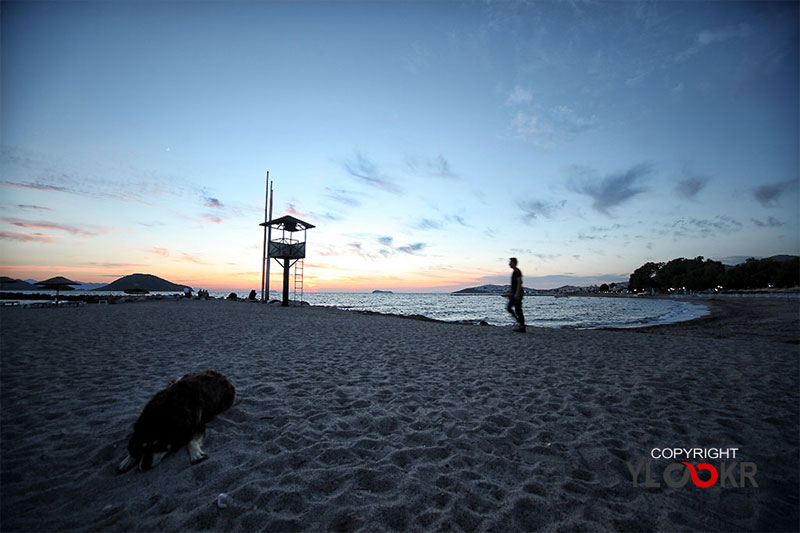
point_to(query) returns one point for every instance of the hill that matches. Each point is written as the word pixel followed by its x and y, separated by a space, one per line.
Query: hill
pixel 146 282
pixel 10 284
pixel 485 289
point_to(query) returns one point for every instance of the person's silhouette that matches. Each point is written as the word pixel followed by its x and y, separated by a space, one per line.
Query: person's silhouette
pixel 515 298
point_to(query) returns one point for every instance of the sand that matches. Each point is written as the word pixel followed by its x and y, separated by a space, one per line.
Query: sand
pixel 354 422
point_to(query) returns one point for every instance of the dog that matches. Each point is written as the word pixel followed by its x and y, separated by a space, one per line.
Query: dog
pixel 177 416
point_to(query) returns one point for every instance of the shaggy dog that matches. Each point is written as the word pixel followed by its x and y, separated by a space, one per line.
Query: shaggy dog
pixel 177 416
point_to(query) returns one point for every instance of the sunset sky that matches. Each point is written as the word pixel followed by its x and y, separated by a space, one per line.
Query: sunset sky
pixel 428 142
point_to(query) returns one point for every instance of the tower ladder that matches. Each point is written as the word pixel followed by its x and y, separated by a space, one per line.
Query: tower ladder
pixel 298 280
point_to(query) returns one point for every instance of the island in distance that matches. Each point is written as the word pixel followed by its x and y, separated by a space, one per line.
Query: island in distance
pixel 506 289
pixel 146 282
pixel 378 291
pixel 493 289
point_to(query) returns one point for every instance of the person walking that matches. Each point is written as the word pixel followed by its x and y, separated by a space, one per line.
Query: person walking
pixel 515 297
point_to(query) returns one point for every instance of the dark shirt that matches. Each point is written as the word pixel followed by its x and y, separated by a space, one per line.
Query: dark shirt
pixel 516 282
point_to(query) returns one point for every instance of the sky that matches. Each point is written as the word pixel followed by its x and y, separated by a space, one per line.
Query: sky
pixel 428 142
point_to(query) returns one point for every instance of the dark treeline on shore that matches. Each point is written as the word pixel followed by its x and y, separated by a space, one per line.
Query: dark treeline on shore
pixel 699 275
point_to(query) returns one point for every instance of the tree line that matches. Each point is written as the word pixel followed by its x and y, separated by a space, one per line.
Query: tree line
pixel 699 275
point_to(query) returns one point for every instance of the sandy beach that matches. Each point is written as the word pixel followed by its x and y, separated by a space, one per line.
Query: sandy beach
pixel 348 421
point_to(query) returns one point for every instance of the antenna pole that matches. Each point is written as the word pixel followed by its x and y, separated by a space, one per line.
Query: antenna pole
pixel 269 236
pixel 264 251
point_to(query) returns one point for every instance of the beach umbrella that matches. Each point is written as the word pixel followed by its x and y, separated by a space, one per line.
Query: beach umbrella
pixel 58 284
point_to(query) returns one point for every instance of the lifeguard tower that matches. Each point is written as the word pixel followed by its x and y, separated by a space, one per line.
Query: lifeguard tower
pixel 288 251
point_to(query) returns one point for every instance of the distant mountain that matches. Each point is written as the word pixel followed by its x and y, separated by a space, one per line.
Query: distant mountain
pixel 147 282
pixel 505 289
pixel 732 261
pixel 10 284
pixel 485 289
pixel 780 258
pixel 378 291
pixel 89 286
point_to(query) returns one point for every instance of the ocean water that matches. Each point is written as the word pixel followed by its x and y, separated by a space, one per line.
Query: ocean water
pixel 541 311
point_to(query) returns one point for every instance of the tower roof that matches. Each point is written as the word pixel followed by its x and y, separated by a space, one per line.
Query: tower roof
pixel 288 223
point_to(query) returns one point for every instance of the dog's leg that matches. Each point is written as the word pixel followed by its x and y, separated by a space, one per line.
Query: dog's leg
pixel 127 463
pixel 196 453
pixel 156 458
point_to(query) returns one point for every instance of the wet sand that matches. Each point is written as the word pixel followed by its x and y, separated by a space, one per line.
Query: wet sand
pixel 348 421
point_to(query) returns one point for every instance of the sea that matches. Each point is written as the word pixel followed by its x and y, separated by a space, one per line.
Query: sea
pixel 580 312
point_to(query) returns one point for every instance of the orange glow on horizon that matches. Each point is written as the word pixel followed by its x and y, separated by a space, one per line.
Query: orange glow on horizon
pixel 318 278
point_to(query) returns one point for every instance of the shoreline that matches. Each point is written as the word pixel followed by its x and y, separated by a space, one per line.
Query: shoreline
pixel 721 309
pixel 731 318
pixel 481 318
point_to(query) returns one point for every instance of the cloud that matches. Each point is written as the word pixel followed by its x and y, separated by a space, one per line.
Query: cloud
pixel 366 248
pixel 25 237
pixel 212 203
pixel 24 206
pixel 367 172
pixel 441 168
pixel 37 187
pixel 528 126
pixel 597 233
pixel 163 252
pixel 327 216
pixel 343 196
pixel 412 248
pixel 569 120
pixel 457 219
pixel 44 172
pixel 547 127
pixel 192 259
pixel 615 189
pixel 310 216
pixel 769 194
pixel 519 96
pixel 712 36
pixel 720 35
pixel 115 265
pixel 36 224
pixel 358 248
pixel 771 222
pixel 704 227
pixel 428 224
pixel 690 187
pixel 437 167
pixel 214 219
pixel 534 209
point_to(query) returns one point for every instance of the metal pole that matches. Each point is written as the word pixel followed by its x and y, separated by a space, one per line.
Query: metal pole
pixel 269 235
pixel 286 267
pixel 264 251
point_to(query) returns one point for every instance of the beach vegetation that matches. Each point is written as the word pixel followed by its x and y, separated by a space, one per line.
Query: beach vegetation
pixel 645 277
pixel 699 274
pixel 763 273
